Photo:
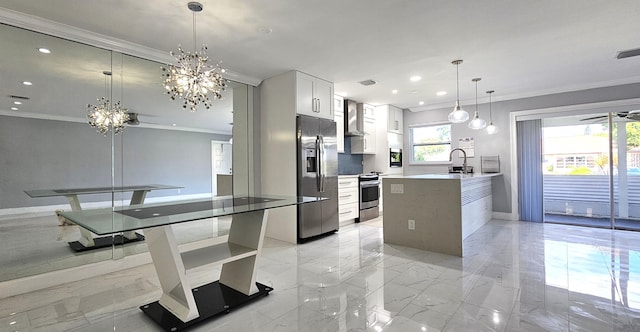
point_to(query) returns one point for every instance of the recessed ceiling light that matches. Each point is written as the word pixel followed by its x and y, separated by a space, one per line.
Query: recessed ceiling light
pixel 27 83
pixel 414 91
pixel 17 102
pixel 14 108
pixel 173 124
pixel 441 93
pixel 421 102
pixel 44 50
pixel 394 91
pixel 415 78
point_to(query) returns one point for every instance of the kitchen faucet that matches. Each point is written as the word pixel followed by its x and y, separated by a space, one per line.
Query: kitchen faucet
pixel 464 155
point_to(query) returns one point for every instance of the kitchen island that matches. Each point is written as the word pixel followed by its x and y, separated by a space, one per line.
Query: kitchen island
pixel 436 212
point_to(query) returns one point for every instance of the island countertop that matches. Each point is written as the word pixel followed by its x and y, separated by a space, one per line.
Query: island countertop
pixel 447 176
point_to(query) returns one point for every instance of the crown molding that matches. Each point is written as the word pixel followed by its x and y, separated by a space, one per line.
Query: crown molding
pixel 56 29
pixel 538 93
pixel 41 116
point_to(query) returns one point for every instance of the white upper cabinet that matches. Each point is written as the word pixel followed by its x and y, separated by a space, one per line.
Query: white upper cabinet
pixel 394 124
pixel 314 96
pixel 368 111
pixel 366 144
pixel 369 135
pixel 338 109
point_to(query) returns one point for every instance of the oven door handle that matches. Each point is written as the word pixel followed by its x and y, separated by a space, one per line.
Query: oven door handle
pixel 368 184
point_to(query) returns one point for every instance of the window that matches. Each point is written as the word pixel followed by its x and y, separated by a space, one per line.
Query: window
pixel 431 144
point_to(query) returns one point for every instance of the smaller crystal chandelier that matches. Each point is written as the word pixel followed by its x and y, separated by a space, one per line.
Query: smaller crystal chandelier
pixel 102 117
pixel 193 78
pixel 491 128
pixel 458 115
pixel 477 123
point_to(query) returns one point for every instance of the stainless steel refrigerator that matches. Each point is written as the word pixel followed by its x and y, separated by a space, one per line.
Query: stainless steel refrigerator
pixel 317 176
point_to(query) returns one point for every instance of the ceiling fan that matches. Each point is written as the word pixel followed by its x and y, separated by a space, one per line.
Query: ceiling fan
pixel 133 119
pixel 631 115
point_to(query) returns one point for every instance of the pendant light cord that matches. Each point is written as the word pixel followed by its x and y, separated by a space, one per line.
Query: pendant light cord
pixel 457 85
pixel 490 114
pixel 476 98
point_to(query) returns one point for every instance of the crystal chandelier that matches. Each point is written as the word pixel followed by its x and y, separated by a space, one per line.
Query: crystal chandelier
pixel 491 128
pixel 192 78
pixel 477 123
pixel 102 117
pixel 458 115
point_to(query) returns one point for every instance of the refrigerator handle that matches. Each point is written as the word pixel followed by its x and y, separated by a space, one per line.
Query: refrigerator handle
pixel 322 164
pixel 318 164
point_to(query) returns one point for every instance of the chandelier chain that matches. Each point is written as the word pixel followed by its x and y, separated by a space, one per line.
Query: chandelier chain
pixel 195 45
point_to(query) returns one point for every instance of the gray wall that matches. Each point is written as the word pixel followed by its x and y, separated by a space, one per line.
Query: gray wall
pixel 499 144
pixel 48 154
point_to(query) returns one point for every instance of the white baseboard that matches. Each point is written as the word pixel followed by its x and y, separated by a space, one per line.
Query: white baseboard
pixel 505 216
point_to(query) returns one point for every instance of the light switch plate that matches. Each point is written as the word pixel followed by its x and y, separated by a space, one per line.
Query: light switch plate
pixel 397 188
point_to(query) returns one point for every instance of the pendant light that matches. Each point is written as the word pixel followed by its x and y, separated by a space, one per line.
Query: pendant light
pixel 458 115
pixel 103 116
pixel 192 78
pixel 477 123
pixel 491 128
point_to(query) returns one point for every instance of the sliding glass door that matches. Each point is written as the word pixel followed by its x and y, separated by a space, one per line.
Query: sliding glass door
pixel 626 176
pixel 591 170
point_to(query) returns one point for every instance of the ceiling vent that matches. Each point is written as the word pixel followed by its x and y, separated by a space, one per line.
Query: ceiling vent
pixel 628 53
pixel 367 82
pixel 18 97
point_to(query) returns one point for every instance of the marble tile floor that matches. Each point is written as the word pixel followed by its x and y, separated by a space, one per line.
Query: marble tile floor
pixel 518 277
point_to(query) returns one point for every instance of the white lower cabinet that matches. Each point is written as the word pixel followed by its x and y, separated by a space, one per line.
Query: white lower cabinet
pixel 348 198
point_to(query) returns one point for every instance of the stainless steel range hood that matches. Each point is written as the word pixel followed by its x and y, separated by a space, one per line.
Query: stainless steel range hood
pixel 354 119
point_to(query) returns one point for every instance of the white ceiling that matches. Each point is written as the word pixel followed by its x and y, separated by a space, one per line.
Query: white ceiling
pixel 519 48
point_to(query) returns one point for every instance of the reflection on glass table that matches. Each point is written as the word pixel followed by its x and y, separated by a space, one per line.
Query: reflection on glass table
pixel 87 241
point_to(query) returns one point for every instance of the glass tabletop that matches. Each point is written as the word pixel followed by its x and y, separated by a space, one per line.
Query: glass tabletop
pixel 95 190
pixel 133 217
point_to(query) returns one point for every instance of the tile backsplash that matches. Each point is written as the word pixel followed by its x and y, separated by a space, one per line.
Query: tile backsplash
pixel 349 163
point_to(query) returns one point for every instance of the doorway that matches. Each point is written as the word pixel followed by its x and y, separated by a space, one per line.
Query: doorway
pixel 221 168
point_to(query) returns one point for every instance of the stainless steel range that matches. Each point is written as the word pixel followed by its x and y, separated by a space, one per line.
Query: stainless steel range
pixel 369 196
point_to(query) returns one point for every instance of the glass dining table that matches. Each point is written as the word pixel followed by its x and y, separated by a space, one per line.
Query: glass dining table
pixel 180 306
